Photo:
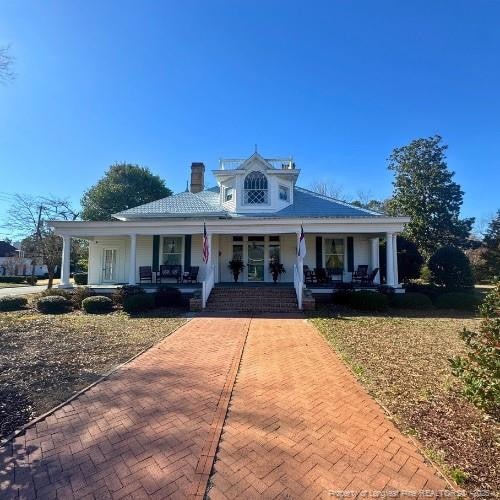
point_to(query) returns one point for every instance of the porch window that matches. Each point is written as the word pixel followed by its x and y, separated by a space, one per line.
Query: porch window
pixel 172 250
pixel 256 189
pixel 334 253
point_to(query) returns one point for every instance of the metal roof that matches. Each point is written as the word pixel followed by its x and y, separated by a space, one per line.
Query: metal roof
pixel 207 204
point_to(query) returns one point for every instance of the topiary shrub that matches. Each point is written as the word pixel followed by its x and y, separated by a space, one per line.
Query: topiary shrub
pixel 411 301
pixel 450 267
pixel 80 278
pixel 457 300
pixel 368 301
pixel 138 303
pixel 12 303
pixel 168 296
pixel 98 304
pixel 31 280
pixel 480 369
pixel 53 304
pixel 126 291
pixel 79 295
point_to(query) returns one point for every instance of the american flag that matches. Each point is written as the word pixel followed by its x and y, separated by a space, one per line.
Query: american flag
pixel 206 248
pixel 302 244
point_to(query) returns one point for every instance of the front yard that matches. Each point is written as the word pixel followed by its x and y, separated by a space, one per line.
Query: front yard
pixel 403 362
pixel 44 359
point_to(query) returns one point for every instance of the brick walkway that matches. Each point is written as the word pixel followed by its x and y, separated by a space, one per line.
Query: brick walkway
pixel 144 433
pixel 299 425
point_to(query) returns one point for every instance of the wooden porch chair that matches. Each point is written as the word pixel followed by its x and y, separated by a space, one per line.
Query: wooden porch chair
pixel 145 274
pixel 368 280
pixel 321 275
pixel 309 276
pixel 360 274
pixel 192 275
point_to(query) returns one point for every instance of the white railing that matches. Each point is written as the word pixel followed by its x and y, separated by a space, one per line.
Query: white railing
pixel 207 285
pixel 298 285
pixel 279 163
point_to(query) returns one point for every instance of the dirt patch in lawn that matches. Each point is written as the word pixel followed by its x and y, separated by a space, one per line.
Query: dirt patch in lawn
pixel 403 362
pixel 44 359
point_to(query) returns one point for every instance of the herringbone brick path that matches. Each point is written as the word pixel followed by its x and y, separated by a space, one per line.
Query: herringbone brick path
pixel 149 431
pixel 300 426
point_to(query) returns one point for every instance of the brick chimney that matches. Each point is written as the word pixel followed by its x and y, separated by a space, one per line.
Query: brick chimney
pixel 197 177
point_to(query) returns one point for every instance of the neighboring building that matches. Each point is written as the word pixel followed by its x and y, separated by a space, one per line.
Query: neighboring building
pixel 13 262
pixel 254 213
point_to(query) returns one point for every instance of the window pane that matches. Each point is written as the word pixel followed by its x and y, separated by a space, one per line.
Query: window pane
pixel 172 250
pixel 274 253
pixel 334 253
pixel 238 252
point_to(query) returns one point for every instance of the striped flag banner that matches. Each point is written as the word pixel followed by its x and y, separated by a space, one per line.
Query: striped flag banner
pixel 206 248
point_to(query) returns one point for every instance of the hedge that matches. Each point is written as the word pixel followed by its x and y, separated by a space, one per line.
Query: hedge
pixel 168 296
pixel 368 301
pixel 97 305
pixel 80 278
pixel 12 303
pixel 138 303
pixel 411 301
pixel 15 280
pixel 457 300
pixel 126 291
pixel 53 304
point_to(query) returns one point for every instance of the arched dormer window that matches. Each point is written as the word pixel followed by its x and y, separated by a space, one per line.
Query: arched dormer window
pixel 255 187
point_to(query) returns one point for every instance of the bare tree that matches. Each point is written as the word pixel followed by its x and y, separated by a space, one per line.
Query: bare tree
pixel 327 188
pixel 27 219
pixel 6 62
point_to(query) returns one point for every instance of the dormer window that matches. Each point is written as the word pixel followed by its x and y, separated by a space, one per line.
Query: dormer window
pixel 228 194
pixel 284 193
pixel 256 191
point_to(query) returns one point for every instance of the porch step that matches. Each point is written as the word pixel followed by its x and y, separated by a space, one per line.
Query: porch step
pixel 252 299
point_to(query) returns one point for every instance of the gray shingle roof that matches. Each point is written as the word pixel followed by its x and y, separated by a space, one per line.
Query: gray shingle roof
pixel 206 204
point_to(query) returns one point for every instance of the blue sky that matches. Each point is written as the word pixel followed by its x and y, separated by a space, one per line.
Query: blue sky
pixel 336 84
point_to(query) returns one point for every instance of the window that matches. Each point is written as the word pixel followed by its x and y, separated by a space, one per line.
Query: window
pixel 284 193
pixel 334 253
pixel 172 250
pixel 256 188
pixel 228 194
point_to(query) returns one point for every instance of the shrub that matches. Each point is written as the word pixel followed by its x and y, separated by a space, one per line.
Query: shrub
pixel 451 268
pixel 432 291
pixel 16 280
pixel 80 278
pixel 480 369
pixel 168 296
pixel 97 304
pixel 138 303
pixel 53 304
pixel 126 291
pixel 368 301
pixel 31 280
pixel 55 292
pixel 342 297
pixel 12 303
pixel 79 295
pixel 411 301
pixel 457 300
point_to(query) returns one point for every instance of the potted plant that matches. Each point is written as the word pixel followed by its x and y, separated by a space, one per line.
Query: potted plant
pixel 236 266
pixel 276 269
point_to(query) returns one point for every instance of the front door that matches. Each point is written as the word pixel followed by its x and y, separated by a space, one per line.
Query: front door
pixel 255 266
pixel 109 269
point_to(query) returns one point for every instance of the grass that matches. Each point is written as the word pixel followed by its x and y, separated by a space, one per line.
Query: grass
pixel 402 359
pixel 12 285
pixel 44 359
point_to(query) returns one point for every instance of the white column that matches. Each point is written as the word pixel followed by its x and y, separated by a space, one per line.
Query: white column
pixel 65 262
pixel 375 258
pixel 390 259
pixel 132 256
pixel 395 256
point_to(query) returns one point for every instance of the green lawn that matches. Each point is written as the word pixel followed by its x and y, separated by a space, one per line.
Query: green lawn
pixel 403 362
